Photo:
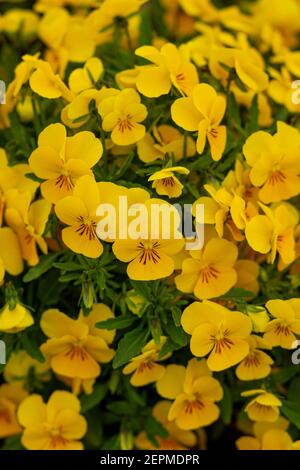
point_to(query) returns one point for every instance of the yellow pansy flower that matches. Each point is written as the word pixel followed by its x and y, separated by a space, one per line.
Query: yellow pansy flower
pixel 274 232
pixel 275 162
pixel 11 395
pixel 178 439
pixel 170 67
pixel 21 21
pixel 76 347
pixel 210 272
pixel 60 160
pixel 22 368
pixel 203 111
pixel 86 77
pixel 15 318
pixel 44 82
pixel 247 63
pixel 29 223
pixel 217 331
pixel 194 392
pixel 166 183
pixel 268 436
pixel 55 425
pixel 281 91
pixel 150 256
pixel 10 253
pixel 122 117
pixel 282 329
pixel 257 364
pixel 79 213
pixel 263 407
pixel 166 140
pixel 145 367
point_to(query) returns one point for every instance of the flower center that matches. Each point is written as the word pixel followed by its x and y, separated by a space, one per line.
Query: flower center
pixel 282 328
pixel 125 124
pixel 252 360
pixel 168 181
pixel 64 182
pixel 221 341
pixel 87 228
pixel 148 252
pixel 208 273
pixel 276 177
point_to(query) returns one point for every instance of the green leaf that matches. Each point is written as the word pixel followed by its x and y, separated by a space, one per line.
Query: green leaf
pixel 177 334
pixel 285 374
pixel 90 401
pixel 46 263
pixel 130 346
pixel 116 323
pixel 226 405
pixel 238 294
pixel 31 347
pixel 294 390
pixel 155 428
pixel 292 411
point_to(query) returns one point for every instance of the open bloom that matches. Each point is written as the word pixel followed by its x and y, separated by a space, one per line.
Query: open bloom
pixel 257 364
pixel 56 425
pixel 122 116
pixel 150 251
pixel 75 347
pixel 178 439
pixel 145 367
pixel 170 67
pixel 166 183
pixel 282 329
pixel 14 319
pixel 209 272
pixel 203 111
pixel 86 77
pixel 29 223
pixel 217 332
pixel 166 140
pixel 22 368
pixel 11 395
pixel 263 407
pixel 274 232
pixel 194 392
pixel 275 163
pixel 79 213
pixel 60 160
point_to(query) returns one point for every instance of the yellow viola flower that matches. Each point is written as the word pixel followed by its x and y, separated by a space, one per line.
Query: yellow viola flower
pixel 76 347
pixel 60 160
pixel 145 367
pixel 22 368
pixel 281 90
pixel 55 425
pixel 170 67
pixel 203 111
pixel 11 395
pixel 10 253
pixel 84 78
pixel 166 140
pixel 13 177
pixel 15 318
pixel 29 223
pixel 282 329
pixel 257 364
pixel 20 21
pixel 194 392
pixel 247 63
pixel 122 117
pixel 217 331
pixel 79 213
pixel 210 272
pixel 264 407
pixel 178 439
pixel 274 232
pixel 166 183
pixel 274 161
pixel 268 436
pixel 150 257
pixel 68 36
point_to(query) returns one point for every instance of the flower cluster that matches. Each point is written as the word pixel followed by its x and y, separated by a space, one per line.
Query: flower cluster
pixel 131 339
